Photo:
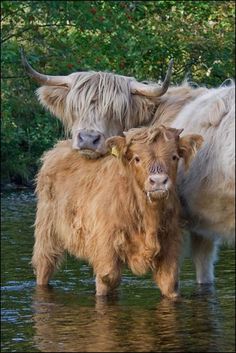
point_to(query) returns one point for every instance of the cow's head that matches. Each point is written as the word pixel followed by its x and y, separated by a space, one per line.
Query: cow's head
pixel 153 154
pixel 96 105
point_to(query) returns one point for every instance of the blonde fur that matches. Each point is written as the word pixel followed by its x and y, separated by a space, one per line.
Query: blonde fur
pixel 97 210
pixel 103 102
pixel 93 97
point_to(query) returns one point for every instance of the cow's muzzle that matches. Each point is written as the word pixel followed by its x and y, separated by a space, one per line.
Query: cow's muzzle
pixel 157 186
pixel 90 143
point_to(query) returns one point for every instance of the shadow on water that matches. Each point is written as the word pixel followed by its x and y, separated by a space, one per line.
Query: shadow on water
pixel 67 317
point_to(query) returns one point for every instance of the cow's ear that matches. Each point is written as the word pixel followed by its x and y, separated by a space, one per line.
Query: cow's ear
pixel 117 146
pixel 169 133
pixel 54 99
pixel 188 147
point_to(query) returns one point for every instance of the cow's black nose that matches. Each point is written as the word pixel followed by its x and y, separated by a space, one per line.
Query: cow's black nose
pixel 88 140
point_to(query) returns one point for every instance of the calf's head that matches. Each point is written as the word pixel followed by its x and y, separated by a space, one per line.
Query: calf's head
pixel 96 105
pixel 153 155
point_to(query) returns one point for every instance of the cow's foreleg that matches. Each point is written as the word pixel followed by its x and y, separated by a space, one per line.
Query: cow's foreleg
pixel 44 263
pixel 166 272
pixel 107 280
pixel 47 255
pixel 204 254
pixel 166 277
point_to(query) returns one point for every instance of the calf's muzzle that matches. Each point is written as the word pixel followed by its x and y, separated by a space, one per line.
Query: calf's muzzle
pixel 157 186
pixel 158 181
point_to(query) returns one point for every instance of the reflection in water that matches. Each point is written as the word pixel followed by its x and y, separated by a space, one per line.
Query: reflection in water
pixel 108 326
pixel 68 317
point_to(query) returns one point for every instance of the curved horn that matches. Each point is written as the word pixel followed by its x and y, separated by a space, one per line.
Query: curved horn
pixel 152 90
pixel 44 79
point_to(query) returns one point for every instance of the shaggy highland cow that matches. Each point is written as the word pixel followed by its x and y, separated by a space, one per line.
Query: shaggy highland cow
pixel 115 210
pixel 96 105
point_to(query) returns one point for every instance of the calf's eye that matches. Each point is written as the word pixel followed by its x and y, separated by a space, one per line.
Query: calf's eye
pixel 136 159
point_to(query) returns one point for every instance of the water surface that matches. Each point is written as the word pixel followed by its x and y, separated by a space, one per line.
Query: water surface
pixel 68 318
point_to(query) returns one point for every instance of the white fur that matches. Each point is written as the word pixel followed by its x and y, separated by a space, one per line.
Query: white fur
pixel 208 189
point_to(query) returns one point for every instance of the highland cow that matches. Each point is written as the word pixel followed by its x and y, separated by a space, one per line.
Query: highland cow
pixel 120 209
pixel 96 105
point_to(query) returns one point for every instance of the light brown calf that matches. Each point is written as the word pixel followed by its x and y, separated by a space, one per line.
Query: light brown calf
pixel 115 210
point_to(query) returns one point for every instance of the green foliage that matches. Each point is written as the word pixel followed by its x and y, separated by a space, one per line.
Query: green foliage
pixel 135 38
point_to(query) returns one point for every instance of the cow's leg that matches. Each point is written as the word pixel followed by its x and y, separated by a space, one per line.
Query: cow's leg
pixel 44 262
pixel 44 270
pixel 107 278
pixel 106 283
pixel 47 255
pixel 166 276
pixel 204 254
pixel 166 273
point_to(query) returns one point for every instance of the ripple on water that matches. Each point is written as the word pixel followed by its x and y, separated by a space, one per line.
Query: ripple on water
pixel 67 317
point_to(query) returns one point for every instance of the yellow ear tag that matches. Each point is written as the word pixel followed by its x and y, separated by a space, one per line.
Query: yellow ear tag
pixel 115 152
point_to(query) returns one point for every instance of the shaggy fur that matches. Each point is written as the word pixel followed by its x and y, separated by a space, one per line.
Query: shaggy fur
pixel 208 190
pixel 103 102
pixel 107 212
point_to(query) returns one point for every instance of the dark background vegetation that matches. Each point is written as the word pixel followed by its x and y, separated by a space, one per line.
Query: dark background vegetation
pixel 135 38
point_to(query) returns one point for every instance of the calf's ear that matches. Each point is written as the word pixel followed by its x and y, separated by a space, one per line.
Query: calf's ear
pixel 117 146
pixel 188 147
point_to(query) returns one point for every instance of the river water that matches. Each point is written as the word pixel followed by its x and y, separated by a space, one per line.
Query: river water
pixel 68 318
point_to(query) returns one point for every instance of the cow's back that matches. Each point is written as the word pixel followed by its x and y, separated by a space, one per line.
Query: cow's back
pixel 208 188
